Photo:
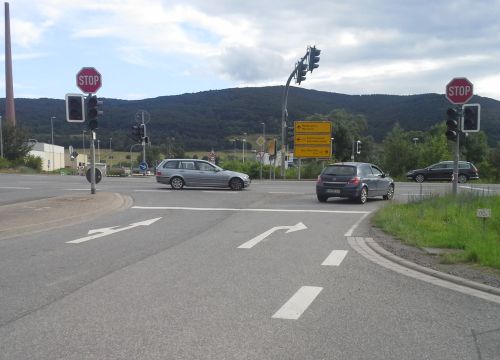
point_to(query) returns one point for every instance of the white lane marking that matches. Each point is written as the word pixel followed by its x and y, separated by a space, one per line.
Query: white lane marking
pixel 356 224
pixel 86 189
pixel 220 192
pixel 298 303
pixel 284 192
pixel 251 210
pixel 97 233
pixel 360 245
pixel 151 190
pixel 335 258
pixel 15 187
pixel 251 243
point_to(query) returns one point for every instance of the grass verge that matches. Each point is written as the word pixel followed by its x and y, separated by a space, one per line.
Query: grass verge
pixel 450 223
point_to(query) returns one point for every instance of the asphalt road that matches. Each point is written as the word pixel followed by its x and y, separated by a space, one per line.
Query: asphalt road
pixel 215 274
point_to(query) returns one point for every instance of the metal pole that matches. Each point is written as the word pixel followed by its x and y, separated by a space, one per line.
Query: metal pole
pixel 262 148
pixel 109 156
pixel 92 162
pixel 243 146
pixel 143 142
pixel 83 141
pixel 99 149
pixel 1 138
pixel 457 153
pixel 52 132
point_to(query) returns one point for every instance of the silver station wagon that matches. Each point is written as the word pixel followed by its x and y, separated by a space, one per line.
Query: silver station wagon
pixel 198 173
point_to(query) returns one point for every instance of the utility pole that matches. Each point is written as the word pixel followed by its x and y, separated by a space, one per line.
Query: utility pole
pixel 1 138
pixel 52 133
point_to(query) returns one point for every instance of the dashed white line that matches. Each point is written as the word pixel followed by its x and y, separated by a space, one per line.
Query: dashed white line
pixel 335 258
pixel 298 303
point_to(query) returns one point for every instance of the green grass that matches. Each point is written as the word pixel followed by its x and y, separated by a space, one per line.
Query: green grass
pixel 448 222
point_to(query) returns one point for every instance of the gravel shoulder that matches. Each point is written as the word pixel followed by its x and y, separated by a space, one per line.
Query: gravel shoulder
pixel 421 257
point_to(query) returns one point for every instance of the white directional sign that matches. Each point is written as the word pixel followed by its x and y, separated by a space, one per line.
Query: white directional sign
pixel 97 233
pixel 251 243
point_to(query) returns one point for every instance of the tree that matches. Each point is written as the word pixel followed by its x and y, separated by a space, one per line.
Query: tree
pixel 15 143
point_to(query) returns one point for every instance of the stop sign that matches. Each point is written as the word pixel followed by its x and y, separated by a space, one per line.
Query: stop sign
pixel 88 80
pixel 459 91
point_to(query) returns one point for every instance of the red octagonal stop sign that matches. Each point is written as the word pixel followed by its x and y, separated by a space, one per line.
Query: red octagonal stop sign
pixel 459 91
pixel 88 80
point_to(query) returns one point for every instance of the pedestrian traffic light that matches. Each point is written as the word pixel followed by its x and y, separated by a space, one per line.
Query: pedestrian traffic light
pixel 93 111
pixel 300 72
pixel 452 124
pixel 313 58
pixel 75 108
pixel 358 147
pixel 472 116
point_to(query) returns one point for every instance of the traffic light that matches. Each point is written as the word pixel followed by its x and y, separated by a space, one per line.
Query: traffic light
pixel 93 111
pixel 358 146
pixel 472 116
pixel 290 136
pixel 301 71
pixel 136 133
pixel 142 131
pixel 452 124
pixel 75 108
pixel 313 58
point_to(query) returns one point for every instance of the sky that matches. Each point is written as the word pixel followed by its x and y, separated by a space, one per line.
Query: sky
pixel 150 48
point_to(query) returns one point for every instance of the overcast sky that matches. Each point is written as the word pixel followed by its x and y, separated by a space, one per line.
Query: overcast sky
pixel 150 48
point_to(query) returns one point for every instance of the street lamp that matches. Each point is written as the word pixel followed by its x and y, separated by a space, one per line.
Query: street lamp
pixel 52 133
pixel 415 139
pixel 243 146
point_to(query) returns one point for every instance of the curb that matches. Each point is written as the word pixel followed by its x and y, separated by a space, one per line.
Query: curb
pixel 443 276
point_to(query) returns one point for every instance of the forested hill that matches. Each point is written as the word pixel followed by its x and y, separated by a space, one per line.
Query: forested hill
pixel 206 119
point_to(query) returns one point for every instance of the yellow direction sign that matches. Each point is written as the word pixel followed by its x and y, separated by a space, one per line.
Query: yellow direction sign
pixel 312 139
pixel 312 152
pixel 301 127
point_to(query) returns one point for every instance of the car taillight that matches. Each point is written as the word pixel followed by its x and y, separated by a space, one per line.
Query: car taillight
pixel 320 180
pixel 158 173
pixel 354 181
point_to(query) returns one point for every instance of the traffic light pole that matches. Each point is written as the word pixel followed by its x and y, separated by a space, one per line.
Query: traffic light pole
pixel 457 153
pixel 92 162
pixel 143 143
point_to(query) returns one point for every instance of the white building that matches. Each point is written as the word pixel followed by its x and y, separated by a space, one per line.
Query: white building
pixel 52 155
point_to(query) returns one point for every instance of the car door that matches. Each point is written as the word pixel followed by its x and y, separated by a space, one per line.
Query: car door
pixel 437 171
pixel 382 182
pixel 208 174
pixel 367 177
pixel 187 169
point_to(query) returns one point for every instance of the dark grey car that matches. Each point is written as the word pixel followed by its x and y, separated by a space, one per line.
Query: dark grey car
pixel 444 171
pixel 354 180
pixel 198 173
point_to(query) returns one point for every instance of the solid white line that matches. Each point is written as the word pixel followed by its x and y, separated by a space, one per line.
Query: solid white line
pixel 335 258
pixel 15 187
pixel 298 303
pixel 149 190
pixel 249 210
pixel 351 230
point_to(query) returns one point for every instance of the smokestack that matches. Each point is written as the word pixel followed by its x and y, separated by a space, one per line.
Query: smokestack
pixel 10 112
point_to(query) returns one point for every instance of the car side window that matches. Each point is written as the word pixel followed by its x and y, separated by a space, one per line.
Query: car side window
pixel 171 165
pixel 377 171
pixel 205 167
pixel 188 165
pixel 365 170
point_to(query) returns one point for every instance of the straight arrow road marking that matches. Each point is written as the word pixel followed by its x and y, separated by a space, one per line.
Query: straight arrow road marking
pixel 298 303
pixel 251 243
pixel 97 233
pixel 335 258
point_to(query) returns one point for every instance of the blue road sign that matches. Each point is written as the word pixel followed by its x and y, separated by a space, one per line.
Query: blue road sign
pixel 143 166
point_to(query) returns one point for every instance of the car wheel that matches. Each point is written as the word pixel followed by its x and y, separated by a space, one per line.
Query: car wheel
pixel 462 178
pixel 322 198
pixel 177 183
pixel 420 178
pixel 363 195
pixel 236 184
pixel 390 193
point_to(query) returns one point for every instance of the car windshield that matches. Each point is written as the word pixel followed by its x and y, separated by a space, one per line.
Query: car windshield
pixel 340 170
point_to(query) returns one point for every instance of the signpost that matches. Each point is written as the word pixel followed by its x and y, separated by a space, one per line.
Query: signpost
pixel 312 139
pixel 89 80
pixel 458 91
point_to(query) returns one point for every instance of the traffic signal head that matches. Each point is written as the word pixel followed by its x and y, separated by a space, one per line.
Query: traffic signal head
pixel 136 133
pixel 452 124
pixel 313 60
pixel 93 111
pixel 358 147
pixel 290 136
pixel 300 72
pixel 471 118
pixel 75 108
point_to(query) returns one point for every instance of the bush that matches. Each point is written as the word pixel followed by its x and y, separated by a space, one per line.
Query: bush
pixel 116 172
pixel 33 162
pixel 4 163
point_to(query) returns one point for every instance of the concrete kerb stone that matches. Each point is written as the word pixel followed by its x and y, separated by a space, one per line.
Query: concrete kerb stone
pixel 46 214
pixel 454 279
